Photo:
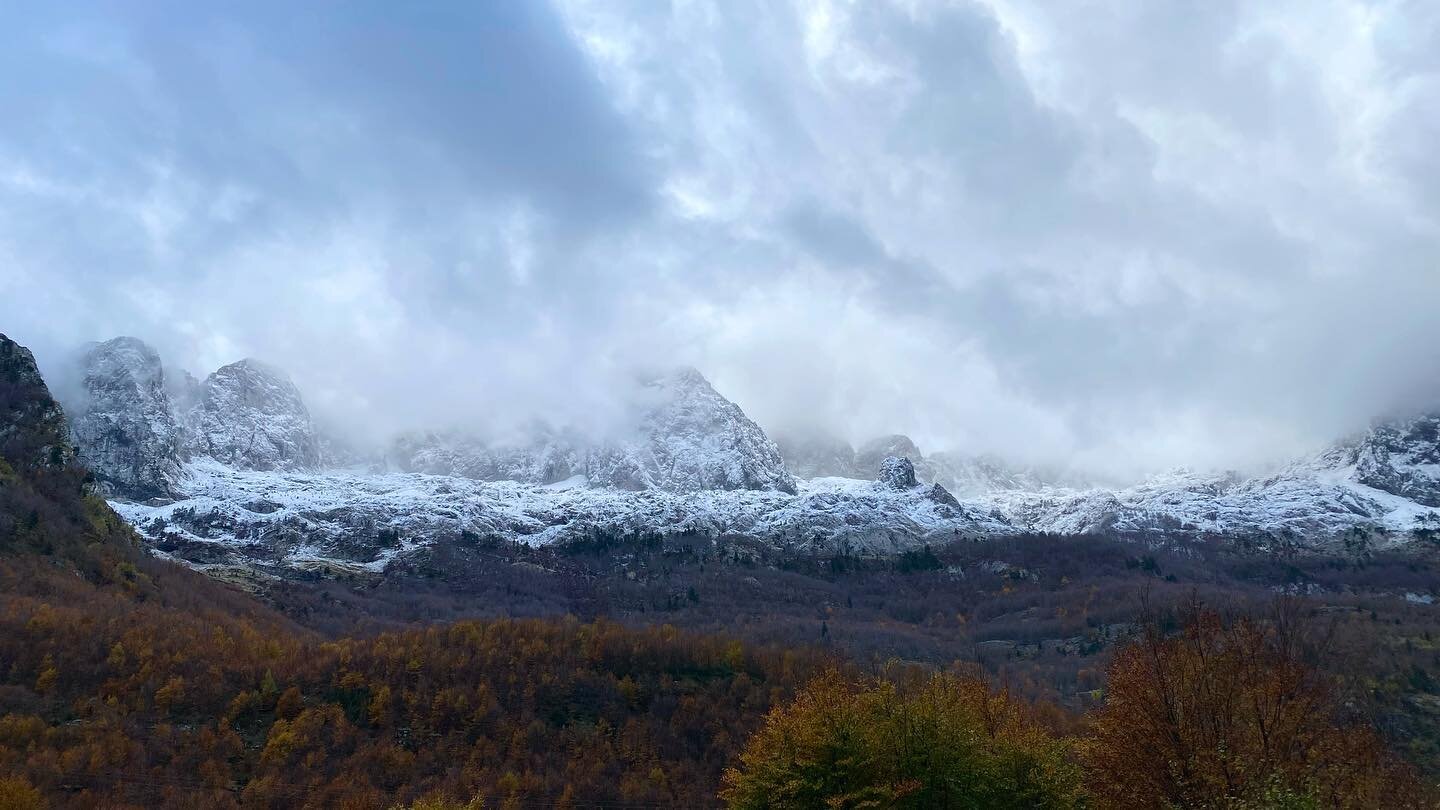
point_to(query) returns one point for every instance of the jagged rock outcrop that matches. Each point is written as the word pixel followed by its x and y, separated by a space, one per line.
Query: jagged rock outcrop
pixel 689 438
pixel 1401 457
pixel 897 472
pixel 870 454
pixel 33 431
pixel 251 416
pixel 124 423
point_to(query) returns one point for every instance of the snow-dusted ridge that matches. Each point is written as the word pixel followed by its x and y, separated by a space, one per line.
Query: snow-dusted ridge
pixel 366 520
pixel 290 519
pixel 1302 505
pixel 235 474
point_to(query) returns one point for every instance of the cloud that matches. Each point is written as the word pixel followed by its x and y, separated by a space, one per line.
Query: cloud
pixel 1126 236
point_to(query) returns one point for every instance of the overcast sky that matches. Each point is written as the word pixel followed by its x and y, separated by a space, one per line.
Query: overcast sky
pixel 1123 235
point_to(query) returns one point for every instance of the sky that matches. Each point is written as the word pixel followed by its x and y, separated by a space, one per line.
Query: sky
pixel 1118 236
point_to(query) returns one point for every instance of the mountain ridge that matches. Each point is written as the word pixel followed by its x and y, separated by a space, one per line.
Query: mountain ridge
pixel 254 485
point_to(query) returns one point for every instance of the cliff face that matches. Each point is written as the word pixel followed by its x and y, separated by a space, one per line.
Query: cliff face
pixel 251 417
pixel 137 428
pixel 1401 457
pixel 33 433
pixel 690 439
pixel 125 426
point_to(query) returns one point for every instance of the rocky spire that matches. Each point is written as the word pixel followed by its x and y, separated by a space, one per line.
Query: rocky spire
pixel 690 438
pixel 251 416
pixel 898 473
pixel 124 423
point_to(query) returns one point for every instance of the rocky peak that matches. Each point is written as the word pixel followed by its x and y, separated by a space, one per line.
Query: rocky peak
pixel 124 423
pixel 33 433
pixel 689 438
pixel 898 472
pixel 1400 456
pixel 249 415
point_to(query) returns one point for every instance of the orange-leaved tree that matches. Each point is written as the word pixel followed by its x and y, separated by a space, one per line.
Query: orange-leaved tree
pixel 1234 714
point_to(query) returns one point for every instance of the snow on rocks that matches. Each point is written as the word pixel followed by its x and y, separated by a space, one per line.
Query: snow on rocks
pixel 690 439
pixel 290 518
pixel 250 416
pixel 124 425
pixel 251 481
pixel 683 437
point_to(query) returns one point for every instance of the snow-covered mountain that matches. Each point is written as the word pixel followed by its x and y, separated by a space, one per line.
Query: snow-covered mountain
pixel 1379 488
pixel 689 439
pixel 1319 502
pixel 348 519
pixel 1401 457
pixel 136 428
pixel 819 455
pixel 124 424
pixel 230 471
pixel 251 416
pixel 683 437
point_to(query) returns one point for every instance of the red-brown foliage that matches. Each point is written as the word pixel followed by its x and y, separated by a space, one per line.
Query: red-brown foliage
pixel 1234 714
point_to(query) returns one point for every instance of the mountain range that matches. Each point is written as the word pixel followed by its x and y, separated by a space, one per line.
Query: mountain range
pixel 231 471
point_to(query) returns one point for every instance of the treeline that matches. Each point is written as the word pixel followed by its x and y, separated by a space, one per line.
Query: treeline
pixel 115 697
pixel 1224 714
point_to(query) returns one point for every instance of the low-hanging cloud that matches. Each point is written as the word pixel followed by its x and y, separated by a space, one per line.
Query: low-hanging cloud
pixel 1123 236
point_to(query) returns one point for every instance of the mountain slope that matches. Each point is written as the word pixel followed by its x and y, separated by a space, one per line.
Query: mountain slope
pixel 690 439
pixel 1401 457
pixel 256 493
pixel 350 520
pixel 44 506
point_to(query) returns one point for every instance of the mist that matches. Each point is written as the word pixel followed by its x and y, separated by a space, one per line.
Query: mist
pixel 1113 238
